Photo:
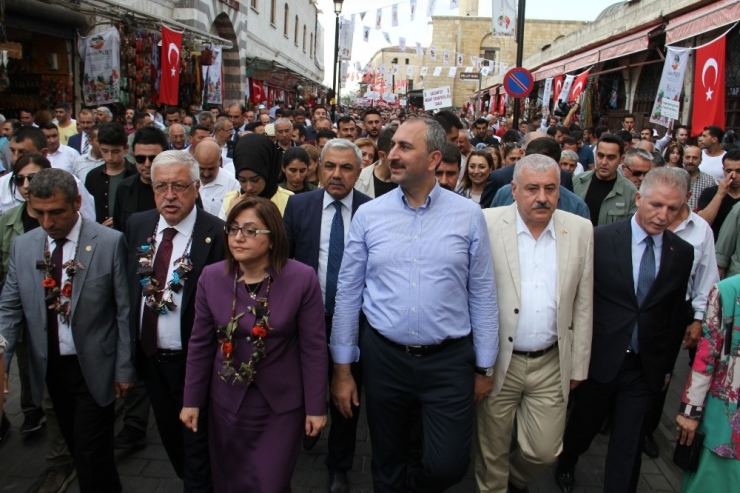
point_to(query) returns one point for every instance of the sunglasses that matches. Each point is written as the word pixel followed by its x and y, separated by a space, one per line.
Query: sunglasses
pixel 21 179
pixel 636 173
pixel 142 158
pixel 512 145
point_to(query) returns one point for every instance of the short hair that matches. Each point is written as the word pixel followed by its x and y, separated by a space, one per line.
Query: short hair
pixel 48 182
pixel 269 214
pixel 612 139
pixel 628 115
pixel 325 134
pixel 536 162
pixel 568 154
pixel 435 136
pixel 14 123
pixel 150 135
pixel 448 120
pixel 346 119
pixel 715 131
pixel 732 155
pixel 552 130
pixel 685 174
pixel 139 117
pixel 172 110
pixel 384 139
pixel 84 111
pixel 113 134
pixel 63 106
pixel 199 126
pixel 287 113
pixel 451 154
pixel 481 121
pixel 221 123
pixel 301 129
pixel 599 131
pixel 205 115
pixel 662 177
pixel 35 135
pixel 177 158
pixel 367 142
pixel 576 135
pixel 546 146
pixel 241 107
pixel 342 144
pixel 312 151
pixel 371 111
pixel 511 136
pixel 570 141
pixel 625 135
pixel 679 127
pixel 105 110
pixel 151 106
pixel 252 126
pixel 49 126
pixel 296 153
pixel 316 108
pixel 283 121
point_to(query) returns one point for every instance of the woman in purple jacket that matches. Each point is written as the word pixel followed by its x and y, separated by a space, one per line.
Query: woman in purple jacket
pixel 257 355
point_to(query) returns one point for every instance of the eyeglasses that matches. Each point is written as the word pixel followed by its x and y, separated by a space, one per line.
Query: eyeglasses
pixel 512 145
pixel 142 158
pixel 245 231
pixel 635 173
pixel 161 188
pixel 21 179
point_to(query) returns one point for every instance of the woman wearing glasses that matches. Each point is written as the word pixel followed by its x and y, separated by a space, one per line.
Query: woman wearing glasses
pixel 257 355
pixel 257 171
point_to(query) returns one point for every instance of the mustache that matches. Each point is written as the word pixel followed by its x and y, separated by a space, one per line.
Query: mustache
pixel 176 203
pixel 395 163
pixel 336 181
pixel 541 205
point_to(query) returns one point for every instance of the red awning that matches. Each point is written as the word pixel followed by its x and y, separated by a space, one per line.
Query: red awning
pixel 702 20
pixel 632 43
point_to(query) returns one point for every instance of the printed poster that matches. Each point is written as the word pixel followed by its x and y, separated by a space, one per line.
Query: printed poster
pixel 101 81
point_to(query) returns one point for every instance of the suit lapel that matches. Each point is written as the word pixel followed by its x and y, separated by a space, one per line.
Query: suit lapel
pixel 563 244
pixel 38 274
pixel 623 254
pixel 313 226
pixel 511 247
pixel 199 253
pixel 85 250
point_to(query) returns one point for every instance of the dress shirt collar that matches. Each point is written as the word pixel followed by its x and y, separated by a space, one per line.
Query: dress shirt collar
pixel 688 222
pixel 639 234
pixel 219 181
pixel 431 199
pixel 184 227
pixel 73 236
pixel 522 228
pixel 346 201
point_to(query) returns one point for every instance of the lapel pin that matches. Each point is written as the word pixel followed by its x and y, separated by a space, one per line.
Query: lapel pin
pixel 563 232
pixel 88 248
pixel 208 239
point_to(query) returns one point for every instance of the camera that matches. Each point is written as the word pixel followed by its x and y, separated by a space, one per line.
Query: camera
pixel 563 109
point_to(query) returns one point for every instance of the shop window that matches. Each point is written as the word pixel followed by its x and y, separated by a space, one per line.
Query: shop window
pixel 285 20
pixel 273 9
pixel 295 34
pixel 304 38
pixel 732 80
pixel 490 58
pixel 253 4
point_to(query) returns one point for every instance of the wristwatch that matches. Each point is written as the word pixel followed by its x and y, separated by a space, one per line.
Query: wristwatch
pixel 486 372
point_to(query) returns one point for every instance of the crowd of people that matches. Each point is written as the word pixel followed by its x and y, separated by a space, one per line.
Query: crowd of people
pixel 496 295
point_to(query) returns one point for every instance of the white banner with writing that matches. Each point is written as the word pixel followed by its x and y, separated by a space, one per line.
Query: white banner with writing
pixel 668 98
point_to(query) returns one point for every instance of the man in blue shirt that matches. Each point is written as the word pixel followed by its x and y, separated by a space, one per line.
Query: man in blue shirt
pixel 417 264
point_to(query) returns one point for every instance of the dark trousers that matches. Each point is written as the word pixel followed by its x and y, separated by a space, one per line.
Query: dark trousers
pixel 343 431
pixel 28 407
pixel 441 386
pixel 188 452
pixel 630 394
pixel 86 426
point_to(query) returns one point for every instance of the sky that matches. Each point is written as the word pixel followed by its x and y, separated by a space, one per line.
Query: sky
pixel 421 28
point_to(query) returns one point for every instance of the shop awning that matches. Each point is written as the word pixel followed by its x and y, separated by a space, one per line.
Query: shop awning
pixel 702 20
pixel 627 45
pixel 41 17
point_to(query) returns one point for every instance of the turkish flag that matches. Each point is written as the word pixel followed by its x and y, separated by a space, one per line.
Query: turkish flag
pixel 557 84
pixel 502 104
pixel 709 87
pixel 257 91
pixel 579 85
pixel 169 83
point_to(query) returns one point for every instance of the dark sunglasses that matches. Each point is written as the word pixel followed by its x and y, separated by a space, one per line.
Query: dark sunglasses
pixel 141 158
pixel 636 173
pixel 512 145
pixel 21 179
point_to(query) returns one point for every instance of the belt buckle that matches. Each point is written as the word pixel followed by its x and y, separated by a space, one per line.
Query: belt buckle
pixel 407 348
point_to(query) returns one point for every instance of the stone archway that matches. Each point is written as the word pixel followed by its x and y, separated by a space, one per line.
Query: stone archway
pixel 231 62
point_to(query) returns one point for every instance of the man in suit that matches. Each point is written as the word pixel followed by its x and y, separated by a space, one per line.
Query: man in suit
pixel 185 240
pixel 543 266
pixel 83 357
pixel 534 143
pixel 641 271
pixel 309 225
pixel 80 142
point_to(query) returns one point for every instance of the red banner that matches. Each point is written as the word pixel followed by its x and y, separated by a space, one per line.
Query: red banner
pixel 579 85
pixel 257 91
pixel 169 83
pixel 557 86
pixel 709 87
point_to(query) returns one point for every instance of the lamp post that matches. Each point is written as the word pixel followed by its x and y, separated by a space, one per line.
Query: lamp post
pixel 337 11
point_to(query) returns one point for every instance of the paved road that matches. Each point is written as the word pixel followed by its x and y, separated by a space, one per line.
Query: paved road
pixel 149 471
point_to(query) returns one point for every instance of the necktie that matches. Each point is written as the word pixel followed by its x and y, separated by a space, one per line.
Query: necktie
pixel 52 322
pixel 161 267
pixel 86 147
pixel 336 251
pixel 645 278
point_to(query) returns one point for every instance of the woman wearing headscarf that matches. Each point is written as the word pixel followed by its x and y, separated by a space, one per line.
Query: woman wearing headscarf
pixel 257 171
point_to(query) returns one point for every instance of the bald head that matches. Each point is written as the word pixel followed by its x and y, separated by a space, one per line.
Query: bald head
pixel 208 155
pixel 530 136
pixel 176 136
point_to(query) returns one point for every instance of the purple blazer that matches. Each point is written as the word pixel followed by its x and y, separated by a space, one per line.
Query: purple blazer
pixel 294 372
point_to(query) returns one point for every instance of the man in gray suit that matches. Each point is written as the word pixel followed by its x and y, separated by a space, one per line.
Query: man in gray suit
pixel 83 356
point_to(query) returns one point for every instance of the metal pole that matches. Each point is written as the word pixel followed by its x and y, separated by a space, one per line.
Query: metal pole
pixel 519 53
pixel 336 57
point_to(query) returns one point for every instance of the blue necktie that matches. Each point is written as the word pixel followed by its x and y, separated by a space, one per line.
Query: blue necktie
pixel 336 251
pixel 645 278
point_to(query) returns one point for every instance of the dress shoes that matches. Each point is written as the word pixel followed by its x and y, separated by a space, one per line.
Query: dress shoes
pixel 33 422
pixel 565 479
pixel 310 442
pixel 130 438
pixel 650 446
pixel 54 480
pixel 513 489
pixel 338 482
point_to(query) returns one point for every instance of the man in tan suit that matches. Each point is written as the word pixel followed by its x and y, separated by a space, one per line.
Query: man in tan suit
pixel 543 265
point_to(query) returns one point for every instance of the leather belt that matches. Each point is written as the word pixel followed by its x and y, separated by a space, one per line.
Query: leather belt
pixel 535 354
pixel 416 350
pixel 167 355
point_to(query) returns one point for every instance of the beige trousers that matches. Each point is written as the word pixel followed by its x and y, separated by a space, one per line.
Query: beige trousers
pixel 533 394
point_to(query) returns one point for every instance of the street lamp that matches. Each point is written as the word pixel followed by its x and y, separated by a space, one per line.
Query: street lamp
pixel 337 11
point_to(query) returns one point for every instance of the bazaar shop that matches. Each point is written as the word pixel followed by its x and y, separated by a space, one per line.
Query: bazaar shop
pixel 268 82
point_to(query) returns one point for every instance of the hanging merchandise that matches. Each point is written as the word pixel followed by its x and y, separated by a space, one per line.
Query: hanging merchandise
pixel 137 76
pixel 101 82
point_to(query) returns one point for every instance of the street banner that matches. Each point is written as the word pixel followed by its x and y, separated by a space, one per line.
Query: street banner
pixel 365 34
pixel 671 84
pixel 378 18
pixel 169 83
pixel 413 9
pixel 402 44
pixel 437 72
pixel 446 57
pixel 430 7
pixel 433 53
pixel 423 71
pixel 419 49
pixel 504 18
pixel 459 60
pixel 101 82
pixel 345 40
pixel 452 72
pixel 257 91
pixel 579 85
pixel 212 79
pixel 440 97
pixel 394 15
pixel 709 86
pixel 503 100
pixel 547 93
pixel 454 4
pixel 409 70
pixel 565 91
pixel 557 84
pixel 387 37
pixel 395 69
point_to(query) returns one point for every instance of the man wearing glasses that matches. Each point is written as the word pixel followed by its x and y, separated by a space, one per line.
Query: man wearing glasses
pixel 168 248
pixel 637 164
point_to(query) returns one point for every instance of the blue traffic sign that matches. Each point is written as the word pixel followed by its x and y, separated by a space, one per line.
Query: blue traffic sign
pixel 518 82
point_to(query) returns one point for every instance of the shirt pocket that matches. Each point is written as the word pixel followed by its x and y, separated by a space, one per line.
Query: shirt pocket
pixel 617 213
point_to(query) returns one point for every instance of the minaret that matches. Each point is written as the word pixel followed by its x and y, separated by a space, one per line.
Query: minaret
pixel 469 8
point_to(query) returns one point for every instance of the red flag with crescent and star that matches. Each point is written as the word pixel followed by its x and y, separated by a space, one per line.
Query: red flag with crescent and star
pixel 579 85
pixel 169 82
pixel 557 86
pixel 257 93
pixel 709 86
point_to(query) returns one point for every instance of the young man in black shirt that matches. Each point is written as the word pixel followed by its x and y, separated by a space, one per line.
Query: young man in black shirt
pixel 716 202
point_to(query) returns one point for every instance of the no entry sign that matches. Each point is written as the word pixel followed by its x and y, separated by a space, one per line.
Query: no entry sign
pixel 518 82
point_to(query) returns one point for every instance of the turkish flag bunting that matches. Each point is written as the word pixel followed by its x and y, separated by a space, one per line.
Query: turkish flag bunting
pixel 257 93
pixel 169 83
pixel 579 85
pixel 709 86
pixel 557 84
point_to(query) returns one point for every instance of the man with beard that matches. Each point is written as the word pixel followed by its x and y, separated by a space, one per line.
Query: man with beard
pixel 373 124
pixel 448 169
pixel 480 127
pixel 283 139
pixel 716 202
pixel 699 180
pixel 347 129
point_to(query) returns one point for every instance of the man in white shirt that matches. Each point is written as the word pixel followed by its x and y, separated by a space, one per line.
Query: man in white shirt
pixel 214 182
pixel 92 159
pixel 710 142
pixel 543 266
pixel 59 155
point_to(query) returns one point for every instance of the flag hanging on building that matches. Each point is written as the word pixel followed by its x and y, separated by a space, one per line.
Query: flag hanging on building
pixel 667 100
pixel 557 84
pixel 430 7
pixel 446 57
pixel 394 15
pixel 413 9
pixel 169 84
pixel 345 40
pixel 378 18
pixel 409 70
pixel 547 93
pixel 257 91
pixel 504 18
pixel 579 85
pixel 709 86
pixel 437 71
pixel 402 44
pixel 459 60
pixel 419 49
pixel 433 53
pixel 365 34
pixel 567 85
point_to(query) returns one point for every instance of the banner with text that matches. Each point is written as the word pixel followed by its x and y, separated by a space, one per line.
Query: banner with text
pixel 504 18
pixel 213 83
pixel 669 90
pixel 439 97
pixel 101 82
pixel 346 33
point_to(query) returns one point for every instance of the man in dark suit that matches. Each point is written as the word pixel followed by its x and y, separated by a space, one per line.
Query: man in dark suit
pixel 538 143
pixel 641 272
pixel 309 224
pixel 83 357
pixel 80 142
pixel 184 240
